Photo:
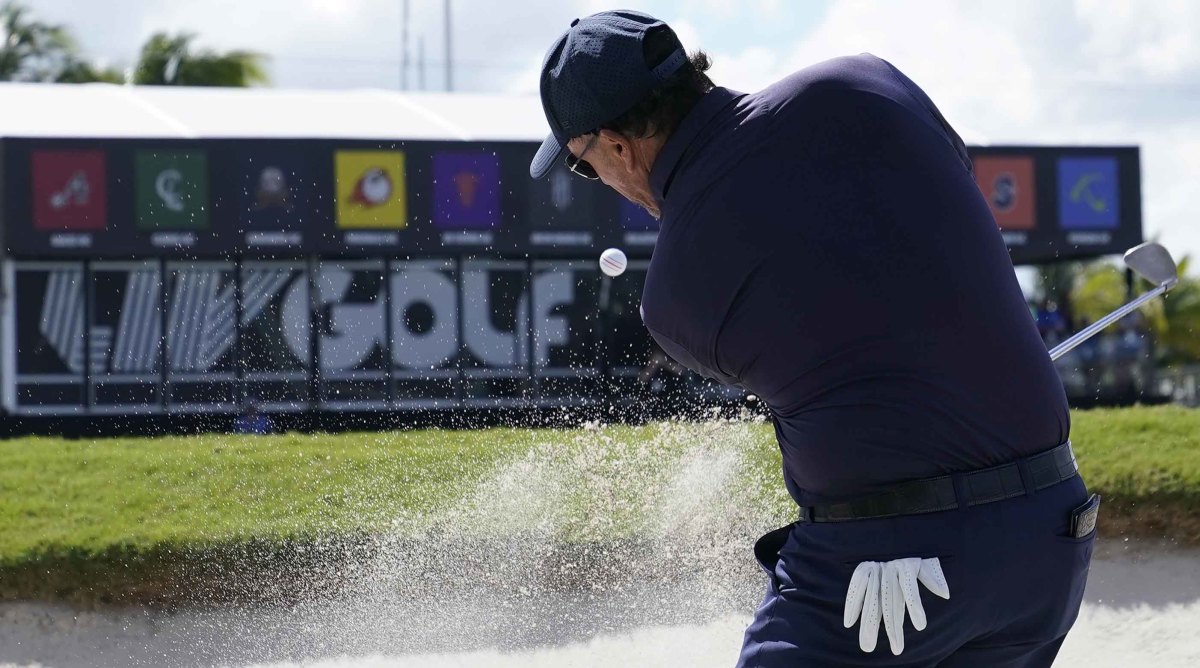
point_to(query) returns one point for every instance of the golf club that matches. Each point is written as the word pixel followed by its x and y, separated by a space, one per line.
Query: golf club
pixel 1150 261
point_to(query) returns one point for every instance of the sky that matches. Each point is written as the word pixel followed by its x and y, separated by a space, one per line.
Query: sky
pixel 1103 72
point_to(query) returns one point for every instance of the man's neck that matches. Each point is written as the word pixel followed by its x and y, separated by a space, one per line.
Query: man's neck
pixel 650 148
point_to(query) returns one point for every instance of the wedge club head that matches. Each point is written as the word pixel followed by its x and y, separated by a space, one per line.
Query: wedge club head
pixel 1152 262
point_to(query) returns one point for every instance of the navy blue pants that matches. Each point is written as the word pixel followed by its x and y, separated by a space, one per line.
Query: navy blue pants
pixel 1016 581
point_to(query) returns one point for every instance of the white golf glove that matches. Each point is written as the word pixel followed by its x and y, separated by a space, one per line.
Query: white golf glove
pixel 882 590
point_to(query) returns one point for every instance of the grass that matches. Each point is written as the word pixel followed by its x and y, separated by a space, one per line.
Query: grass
pixel 85 497
pixel 103 519
pixel 1145 461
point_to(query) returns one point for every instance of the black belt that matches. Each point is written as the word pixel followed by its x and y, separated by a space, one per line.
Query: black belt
pixel 932 495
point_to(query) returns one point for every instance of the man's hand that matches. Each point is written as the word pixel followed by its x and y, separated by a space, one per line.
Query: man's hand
pixel 882 590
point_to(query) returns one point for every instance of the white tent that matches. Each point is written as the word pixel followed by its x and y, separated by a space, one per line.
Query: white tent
pixel 107 110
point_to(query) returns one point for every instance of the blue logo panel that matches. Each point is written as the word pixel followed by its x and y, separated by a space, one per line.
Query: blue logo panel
pixel 1087 193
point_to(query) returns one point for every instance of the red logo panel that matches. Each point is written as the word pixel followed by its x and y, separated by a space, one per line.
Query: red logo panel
pixel 69 190
pixel 1007 185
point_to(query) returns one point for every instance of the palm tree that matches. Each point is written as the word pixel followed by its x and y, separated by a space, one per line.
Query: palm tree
pixel 1056 282
pixel 168 60
pixel 1181 310
pixel 41 52
pixel 1173 320
pixel 34 51
pixel 79 71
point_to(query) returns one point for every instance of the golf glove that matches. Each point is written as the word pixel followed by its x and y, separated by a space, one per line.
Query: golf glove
pixel 882 590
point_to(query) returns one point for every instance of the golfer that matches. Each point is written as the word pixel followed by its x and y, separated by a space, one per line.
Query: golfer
pixel 823 245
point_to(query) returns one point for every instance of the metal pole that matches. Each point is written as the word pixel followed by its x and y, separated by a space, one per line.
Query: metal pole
pixel 88 316
pixel 315 377
pixel 164 379
pixel 388 334
pixel 421 62
pixel 449 51
pixel 404 45
pixel 239 368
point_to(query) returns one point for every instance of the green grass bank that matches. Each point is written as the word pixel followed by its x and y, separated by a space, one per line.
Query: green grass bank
pixel 130 519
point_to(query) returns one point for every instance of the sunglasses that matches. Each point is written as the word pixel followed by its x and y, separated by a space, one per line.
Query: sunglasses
pixel 580 166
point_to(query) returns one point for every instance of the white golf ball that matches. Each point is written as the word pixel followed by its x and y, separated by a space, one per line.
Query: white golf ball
pixel 612 262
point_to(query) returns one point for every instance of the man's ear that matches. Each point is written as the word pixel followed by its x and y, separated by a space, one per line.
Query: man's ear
pixel 622 147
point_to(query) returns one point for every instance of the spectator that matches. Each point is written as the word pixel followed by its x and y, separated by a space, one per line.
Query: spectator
pixel 1129 352
pixel 1089 356
pixel 252 422
pixel 1050 322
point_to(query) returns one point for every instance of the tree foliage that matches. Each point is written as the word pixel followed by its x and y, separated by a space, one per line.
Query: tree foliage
pixel 1174 320
pixel 1181 310
pixel 172 60
pixel 33 51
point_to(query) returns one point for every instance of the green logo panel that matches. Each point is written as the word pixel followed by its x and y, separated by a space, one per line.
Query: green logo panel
pixel 172 190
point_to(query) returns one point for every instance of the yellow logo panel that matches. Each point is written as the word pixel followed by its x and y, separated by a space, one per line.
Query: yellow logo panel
pixel 371 191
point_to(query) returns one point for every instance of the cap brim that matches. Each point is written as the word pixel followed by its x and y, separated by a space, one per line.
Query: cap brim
pixel 550 152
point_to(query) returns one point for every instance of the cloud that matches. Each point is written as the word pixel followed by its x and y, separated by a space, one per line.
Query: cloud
pixel 1096 72
pixel 1156 40
pixel 939 46
pixel 334 43
pixel 723 9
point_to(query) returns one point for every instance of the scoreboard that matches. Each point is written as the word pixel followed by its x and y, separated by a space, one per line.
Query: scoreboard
pixel 1059 203
pixel 189 275
pixel 236 197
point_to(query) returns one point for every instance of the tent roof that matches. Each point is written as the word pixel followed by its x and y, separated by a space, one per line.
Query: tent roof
pixel 107 110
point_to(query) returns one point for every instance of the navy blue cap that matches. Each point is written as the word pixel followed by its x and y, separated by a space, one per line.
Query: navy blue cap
pixel 594 73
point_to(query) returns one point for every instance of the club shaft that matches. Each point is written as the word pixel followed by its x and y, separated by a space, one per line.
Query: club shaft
pixel 1094 328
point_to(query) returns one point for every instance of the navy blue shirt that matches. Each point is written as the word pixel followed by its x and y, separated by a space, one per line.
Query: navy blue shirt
pixel 823 245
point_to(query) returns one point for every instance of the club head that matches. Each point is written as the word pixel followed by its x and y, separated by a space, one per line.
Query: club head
pixel 1152 262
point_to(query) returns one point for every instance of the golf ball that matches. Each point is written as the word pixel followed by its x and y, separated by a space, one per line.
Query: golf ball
pixel 612 262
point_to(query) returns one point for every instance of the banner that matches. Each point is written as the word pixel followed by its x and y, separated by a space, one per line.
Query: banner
pixel 195 336
pixel 125 342
pixel 628 348
pixel 275 337
pixel 466 191
pixel 277 196
pixel 566 329
pixel 425 333
pixel 222 199
pixel 372 190
pixel 202 337
pixel 349 324
pixel 171 190
pixel 494 352
pixel 49 356
pixel 1059 203
pixel 1089 193
pixel 1008 185
pixel 562 212
pixel 70 190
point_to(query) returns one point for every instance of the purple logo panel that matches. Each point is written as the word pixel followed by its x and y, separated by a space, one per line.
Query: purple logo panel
pixel 466 191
